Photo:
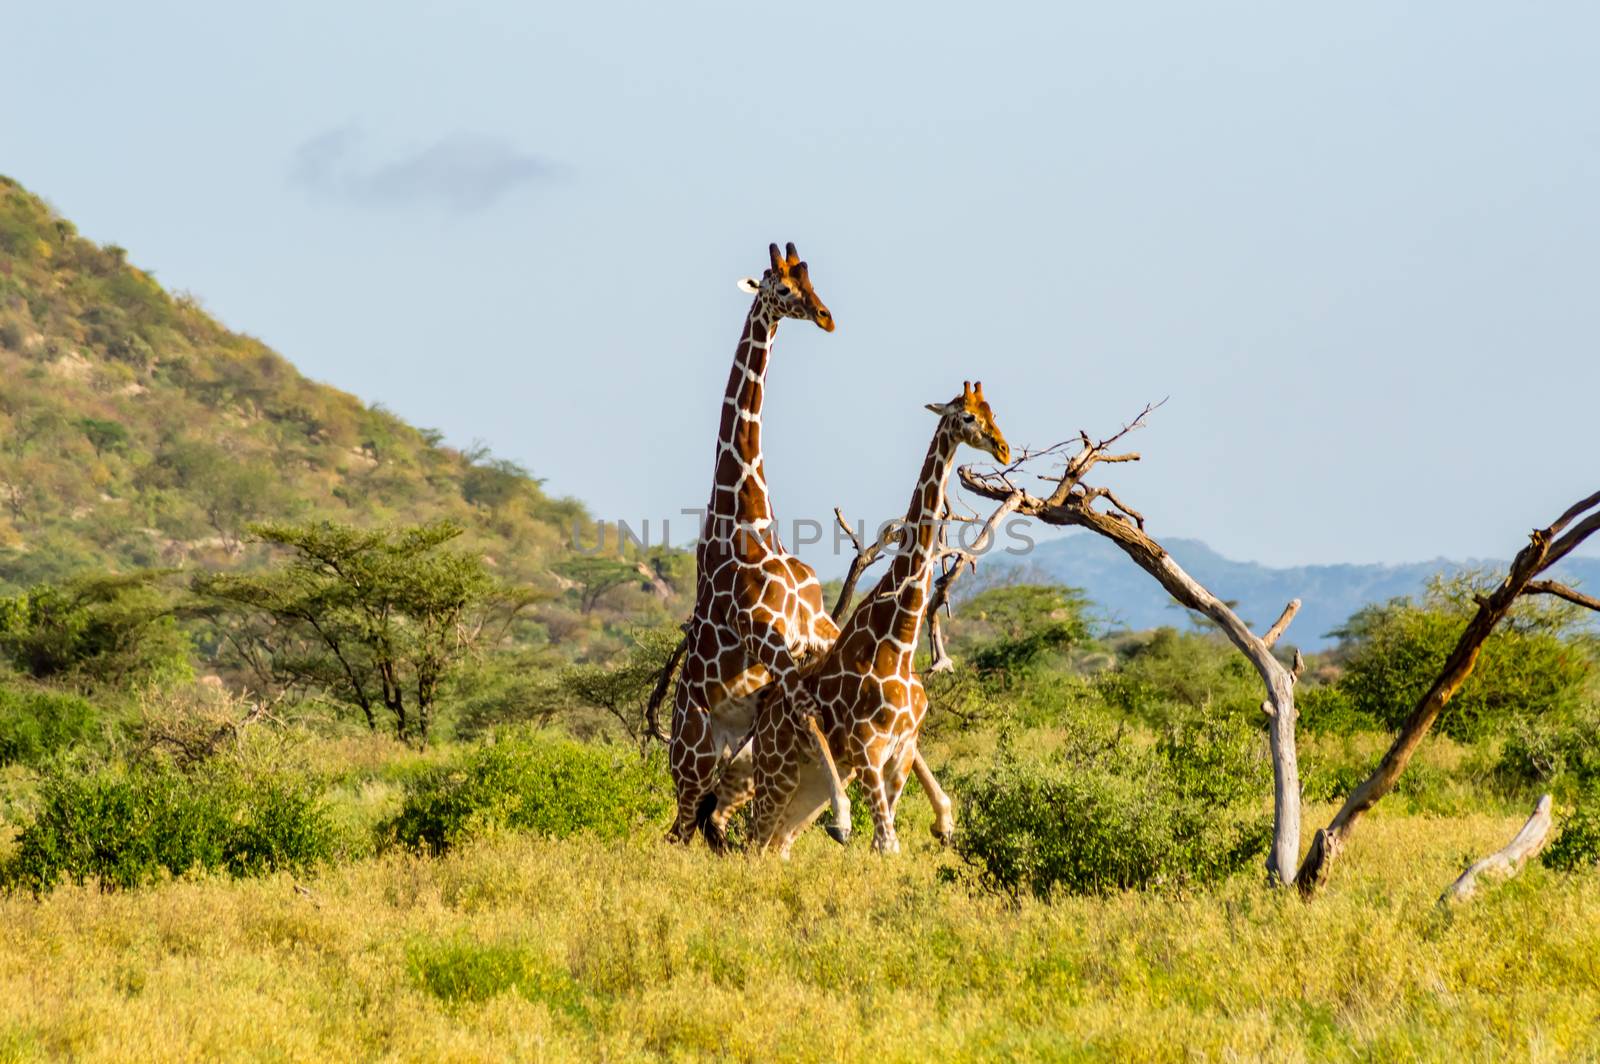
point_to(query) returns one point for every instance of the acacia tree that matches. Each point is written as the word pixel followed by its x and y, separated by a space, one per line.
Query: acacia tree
pixel 372 619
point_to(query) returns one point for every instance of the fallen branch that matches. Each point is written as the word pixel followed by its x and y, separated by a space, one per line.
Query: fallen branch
pixel 1546 546
pixel 1507 862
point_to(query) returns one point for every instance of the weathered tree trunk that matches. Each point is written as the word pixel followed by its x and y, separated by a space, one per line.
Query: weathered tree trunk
pixel 1507 862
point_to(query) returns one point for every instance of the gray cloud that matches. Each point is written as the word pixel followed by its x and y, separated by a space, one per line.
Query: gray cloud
pixel 461 172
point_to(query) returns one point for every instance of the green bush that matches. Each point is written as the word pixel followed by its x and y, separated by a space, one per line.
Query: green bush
pixel 1172 674
pixel 1023 624
pixel 1103 816
pixel 1532 665
pixel 36 724
pixel 1327 709
pixel 1578 845
pixel 126 829
pixel 1562 749
pixel 532 782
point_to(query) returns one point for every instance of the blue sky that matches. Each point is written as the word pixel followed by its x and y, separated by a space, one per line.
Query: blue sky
pixel 1355 245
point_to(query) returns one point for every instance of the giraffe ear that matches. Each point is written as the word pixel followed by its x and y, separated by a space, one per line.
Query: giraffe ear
pixel 938 408
pixel 749 284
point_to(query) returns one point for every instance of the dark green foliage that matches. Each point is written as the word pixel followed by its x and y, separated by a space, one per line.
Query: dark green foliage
pixel 110 629
pixel 1577 846
pixel 532 782
pixel 1025 622
pixel 1327 709
pixel 36 724
pixel 1529 667
pixel 1561 748
pixel 1172 675
pixel 127 829
pixel 1105 816
pixel 105 437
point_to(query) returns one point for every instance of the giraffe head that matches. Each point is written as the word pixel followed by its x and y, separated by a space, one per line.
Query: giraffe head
pixel 969 418
pixel 786 286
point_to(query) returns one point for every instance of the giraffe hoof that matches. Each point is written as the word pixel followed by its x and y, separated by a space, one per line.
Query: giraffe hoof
pixel 838 834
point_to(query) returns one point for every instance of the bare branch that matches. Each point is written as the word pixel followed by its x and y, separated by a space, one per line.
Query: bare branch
pixel 866 555
pixel 652 708
pixel 1282 623
pixel 1550 587
pixel 942 661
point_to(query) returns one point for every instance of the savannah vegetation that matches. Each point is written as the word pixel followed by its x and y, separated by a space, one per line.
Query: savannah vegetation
pixel 316 739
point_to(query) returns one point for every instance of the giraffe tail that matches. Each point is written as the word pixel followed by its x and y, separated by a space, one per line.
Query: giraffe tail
pixel 705 823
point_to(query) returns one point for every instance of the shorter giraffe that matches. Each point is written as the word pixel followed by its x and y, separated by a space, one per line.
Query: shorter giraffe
pixel 870 703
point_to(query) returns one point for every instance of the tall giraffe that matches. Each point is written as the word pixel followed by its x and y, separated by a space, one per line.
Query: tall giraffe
pixel 758 609
pixel 869 700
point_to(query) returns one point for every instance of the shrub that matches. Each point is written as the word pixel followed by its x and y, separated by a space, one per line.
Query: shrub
pixel 1172 674
pixel 1027 622
pixel 37 724
pixel 1327 709
pixel 531 782
pixel 1529 666
pixel 1578 844
pixel 1561 747
pixel 126 829
pixel 1106 817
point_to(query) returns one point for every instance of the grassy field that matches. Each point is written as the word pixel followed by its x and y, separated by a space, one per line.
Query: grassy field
pixel 517 947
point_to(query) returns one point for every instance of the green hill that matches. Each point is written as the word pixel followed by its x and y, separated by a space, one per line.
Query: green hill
pixel 136 432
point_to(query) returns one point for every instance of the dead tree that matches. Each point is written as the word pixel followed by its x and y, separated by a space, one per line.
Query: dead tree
pixel 1072 503
pixel 1546 546
pixel 1506 862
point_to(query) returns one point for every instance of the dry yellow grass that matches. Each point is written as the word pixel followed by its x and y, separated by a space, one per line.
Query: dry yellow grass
pixel 521 948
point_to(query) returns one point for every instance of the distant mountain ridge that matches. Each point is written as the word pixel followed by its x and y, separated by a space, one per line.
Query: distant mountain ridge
pixel 1127 596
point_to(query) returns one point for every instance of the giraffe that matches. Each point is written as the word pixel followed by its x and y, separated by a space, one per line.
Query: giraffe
pixel 869 700
pixel 758 609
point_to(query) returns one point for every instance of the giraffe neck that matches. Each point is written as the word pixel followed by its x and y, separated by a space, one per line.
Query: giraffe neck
pixel 906 582
pixel 739 502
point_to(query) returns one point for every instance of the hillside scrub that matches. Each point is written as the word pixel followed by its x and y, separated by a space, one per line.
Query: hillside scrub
pixel 137 432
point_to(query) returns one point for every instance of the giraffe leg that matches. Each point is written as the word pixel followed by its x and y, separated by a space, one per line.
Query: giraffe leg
pixel 944 820
pixel 777 773
pixel 693 757
pixel 877 788
pixel 736 786
pixel 838 798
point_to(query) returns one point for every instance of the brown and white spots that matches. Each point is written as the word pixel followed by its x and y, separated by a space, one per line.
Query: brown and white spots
pixel 758 609
pixel 870 703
